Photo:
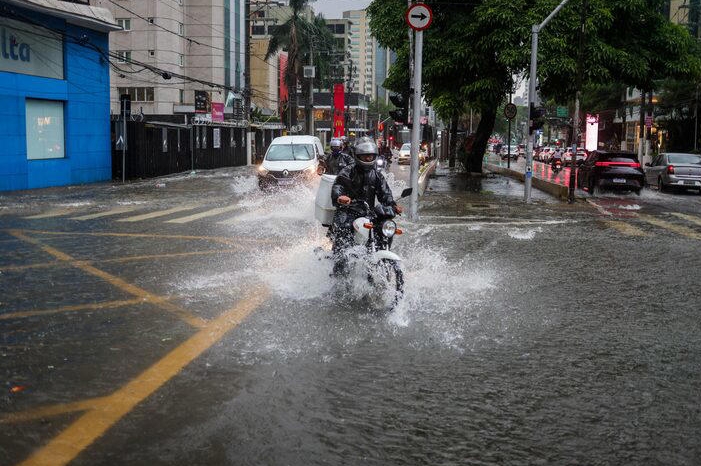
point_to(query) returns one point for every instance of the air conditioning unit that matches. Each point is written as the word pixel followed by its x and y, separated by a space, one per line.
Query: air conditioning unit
pixel 309 72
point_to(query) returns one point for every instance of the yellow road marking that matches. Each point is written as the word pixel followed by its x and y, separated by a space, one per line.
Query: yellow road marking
pixel 107 213
pixel 159 213
pixel 626 228
pixel 688 218
pixel 134 290
pixel 93 424
pixel 14 268
pixel 74 308
pixel 678 229
pixel 51 213
pixel 209 213
pixel 49 411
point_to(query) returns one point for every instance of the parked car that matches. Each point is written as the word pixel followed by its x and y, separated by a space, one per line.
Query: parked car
pixel 505 152
pixel 581 156
pixel 405 155
pixel 544 154
pixel 290 160
pixel 675 170
pixel 611 170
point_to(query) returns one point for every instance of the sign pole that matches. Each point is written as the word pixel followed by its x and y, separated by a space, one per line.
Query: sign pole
pixel 416 126
pixel 124 147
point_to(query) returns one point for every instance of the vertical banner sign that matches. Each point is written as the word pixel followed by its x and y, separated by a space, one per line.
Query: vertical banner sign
pixel 216 135
pixel 338 108
pixel 217 111
pixel 201 99
pixel 592 135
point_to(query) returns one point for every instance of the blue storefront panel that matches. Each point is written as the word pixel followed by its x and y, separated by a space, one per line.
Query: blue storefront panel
pixel 80 83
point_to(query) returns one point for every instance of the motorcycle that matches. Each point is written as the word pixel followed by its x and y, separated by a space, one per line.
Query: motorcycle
pixel 375 229
pixel 381 163
pixel 556 166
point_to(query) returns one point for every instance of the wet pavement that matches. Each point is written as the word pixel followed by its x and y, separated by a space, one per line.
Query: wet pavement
pixel 188 320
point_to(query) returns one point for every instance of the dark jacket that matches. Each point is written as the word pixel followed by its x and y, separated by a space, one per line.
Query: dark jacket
pixel 364 185
pixel 335 163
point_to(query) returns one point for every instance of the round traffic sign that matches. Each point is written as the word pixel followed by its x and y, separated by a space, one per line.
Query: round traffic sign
pixel 419 16
pixel 510 111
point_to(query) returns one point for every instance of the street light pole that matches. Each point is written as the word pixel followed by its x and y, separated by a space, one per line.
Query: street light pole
pixel 535 30
pixel 576 123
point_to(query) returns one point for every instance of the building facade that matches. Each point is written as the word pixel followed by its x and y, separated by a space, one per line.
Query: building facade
pixel 362 52
pixel 54 94
pixel 203 41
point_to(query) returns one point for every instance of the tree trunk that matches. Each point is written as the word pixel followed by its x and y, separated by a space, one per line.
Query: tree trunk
pixel 484 130
pixel 453 140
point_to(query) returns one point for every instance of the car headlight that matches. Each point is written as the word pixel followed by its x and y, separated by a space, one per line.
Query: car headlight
pixel 310 169
pixel 262 171
pixel 389 228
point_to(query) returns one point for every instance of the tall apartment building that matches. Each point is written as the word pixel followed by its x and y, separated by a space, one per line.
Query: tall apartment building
pixel 687 13
pixel 203 40
pixel 341 30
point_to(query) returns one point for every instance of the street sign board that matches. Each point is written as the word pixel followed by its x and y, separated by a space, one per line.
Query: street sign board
pixel 562 112
pixel 510 111
pixel 419 16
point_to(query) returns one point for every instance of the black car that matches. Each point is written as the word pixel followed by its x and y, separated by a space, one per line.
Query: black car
pixel 611 170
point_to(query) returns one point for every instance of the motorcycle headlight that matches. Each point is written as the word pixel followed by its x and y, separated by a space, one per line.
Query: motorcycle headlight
pixel 389 228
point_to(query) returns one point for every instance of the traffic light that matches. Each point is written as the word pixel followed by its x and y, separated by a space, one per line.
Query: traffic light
pixel 536 118
pixel 401 114
pixel 380 127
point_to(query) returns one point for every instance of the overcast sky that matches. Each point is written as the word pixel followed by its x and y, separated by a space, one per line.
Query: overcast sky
pixel 335 8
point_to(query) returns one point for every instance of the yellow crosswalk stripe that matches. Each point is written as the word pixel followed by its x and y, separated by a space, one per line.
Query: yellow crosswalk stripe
pixel 209 213
pixel 626 228
pixel 678 229
pixel 107 213
pixel 688 218
pixel 158 213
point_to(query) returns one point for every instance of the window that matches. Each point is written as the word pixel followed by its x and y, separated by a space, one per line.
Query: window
pixel 181 59
pixel 258 30
pixel 124 56
pixel 45 130
pixel 181 29
pixel 182 96
pixel 124 23
pixel 138 94
pixel 151 53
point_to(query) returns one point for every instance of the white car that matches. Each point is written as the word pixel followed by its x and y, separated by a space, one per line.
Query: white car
pixel 405 155
pixel 290 159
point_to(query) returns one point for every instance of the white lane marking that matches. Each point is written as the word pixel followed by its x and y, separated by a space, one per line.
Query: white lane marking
pixel 520 223
pixel 688 218
pixel 51 213
pixel 158 213
pixel 208 213
pixel 107 213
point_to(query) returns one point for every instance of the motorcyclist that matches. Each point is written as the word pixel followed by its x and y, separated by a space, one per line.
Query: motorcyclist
pixel 337 159
pixel 557 157
pixel 362 182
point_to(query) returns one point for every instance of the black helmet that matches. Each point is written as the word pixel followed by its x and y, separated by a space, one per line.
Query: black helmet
pixel 365 148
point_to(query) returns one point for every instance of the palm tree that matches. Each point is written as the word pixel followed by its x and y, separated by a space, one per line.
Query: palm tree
pixel 299 37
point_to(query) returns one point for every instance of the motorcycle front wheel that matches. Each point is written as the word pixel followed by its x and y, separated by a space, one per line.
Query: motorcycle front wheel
pixel 390 280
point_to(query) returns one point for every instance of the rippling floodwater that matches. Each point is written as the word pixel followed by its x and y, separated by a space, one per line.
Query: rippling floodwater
pixel 515 344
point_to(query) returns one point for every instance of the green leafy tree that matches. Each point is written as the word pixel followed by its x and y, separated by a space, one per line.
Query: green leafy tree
pixel 472 49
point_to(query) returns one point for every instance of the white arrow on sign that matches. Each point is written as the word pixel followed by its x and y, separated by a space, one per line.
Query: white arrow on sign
pixel 120 141
pixel 419 16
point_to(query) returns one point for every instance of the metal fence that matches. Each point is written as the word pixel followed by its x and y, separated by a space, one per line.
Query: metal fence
pixel 162 148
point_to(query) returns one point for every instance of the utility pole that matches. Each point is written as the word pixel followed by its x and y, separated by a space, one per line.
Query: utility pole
pixel 310 111
pixel 576 124
pixel 535 30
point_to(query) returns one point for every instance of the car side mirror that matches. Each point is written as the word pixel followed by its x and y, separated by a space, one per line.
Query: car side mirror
pixel 406 193
pixel 647 164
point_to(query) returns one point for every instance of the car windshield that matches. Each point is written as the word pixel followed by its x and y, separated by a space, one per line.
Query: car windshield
pixel 281 152
pixel 685 158
pixel 406 147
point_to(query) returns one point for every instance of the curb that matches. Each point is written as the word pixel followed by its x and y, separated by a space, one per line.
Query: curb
pixel 423 177
pixel 554 189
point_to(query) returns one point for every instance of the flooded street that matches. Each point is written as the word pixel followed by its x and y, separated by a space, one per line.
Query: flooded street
pixel 193 320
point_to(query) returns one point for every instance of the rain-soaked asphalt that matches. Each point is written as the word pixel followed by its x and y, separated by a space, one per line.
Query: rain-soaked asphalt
pixel 187 320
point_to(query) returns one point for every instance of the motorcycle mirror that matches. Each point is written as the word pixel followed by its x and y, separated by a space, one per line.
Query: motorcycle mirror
pixel 406 193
